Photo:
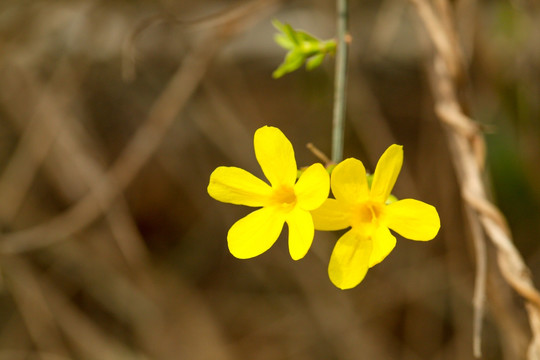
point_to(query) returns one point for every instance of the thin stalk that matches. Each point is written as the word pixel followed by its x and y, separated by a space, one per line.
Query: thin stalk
pixel 340 84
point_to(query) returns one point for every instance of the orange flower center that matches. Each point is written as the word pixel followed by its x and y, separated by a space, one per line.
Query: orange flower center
pixel 367 215
pixel 283 197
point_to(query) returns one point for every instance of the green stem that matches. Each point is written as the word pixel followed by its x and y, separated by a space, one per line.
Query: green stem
pixel 338 124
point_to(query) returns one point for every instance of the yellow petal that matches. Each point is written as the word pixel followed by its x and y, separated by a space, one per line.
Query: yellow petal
pixel 236 186
pixel 413 219
pixel 301 232
pixel 275 154
pixel 332 215
pixel 383 243
pixel 386 173
pixel 349 182
pixel 254 234
pixel 350 259
pixel 313 187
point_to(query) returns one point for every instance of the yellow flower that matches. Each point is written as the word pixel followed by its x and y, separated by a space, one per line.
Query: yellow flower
pixel 284 201
pixel 366 211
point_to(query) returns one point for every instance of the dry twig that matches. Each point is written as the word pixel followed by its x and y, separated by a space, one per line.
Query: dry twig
pixel 467 145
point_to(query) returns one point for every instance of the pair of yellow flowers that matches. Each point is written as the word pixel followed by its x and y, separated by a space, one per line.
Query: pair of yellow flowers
pixel 304 205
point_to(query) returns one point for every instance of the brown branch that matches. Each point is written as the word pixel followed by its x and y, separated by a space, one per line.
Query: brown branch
pixel 142 145
pixel 77 329
pixel 137 152
pixel 33 306
pixel 38 137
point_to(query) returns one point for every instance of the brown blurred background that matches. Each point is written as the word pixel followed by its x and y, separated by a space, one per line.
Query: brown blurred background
pixel 113 114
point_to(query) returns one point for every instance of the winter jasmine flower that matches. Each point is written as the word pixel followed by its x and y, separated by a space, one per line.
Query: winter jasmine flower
pixel 284 200
pixel 366 211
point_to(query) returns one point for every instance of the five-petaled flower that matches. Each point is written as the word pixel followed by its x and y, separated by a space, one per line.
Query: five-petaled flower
pixel 366 211
pixel 285 200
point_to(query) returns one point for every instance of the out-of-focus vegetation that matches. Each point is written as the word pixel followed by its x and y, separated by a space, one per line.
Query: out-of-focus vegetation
pixel 146 274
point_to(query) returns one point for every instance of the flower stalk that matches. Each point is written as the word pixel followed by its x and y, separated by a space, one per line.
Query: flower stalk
pixel 340 83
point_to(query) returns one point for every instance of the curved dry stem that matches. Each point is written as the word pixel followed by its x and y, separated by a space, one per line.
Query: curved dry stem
pixel 468 153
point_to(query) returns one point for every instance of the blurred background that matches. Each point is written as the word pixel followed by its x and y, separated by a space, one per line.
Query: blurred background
pixel 113 114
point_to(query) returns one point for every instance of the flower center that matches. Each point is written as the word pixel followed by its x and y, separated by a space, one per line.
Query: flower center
pixel 284 197
pixel 367 215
